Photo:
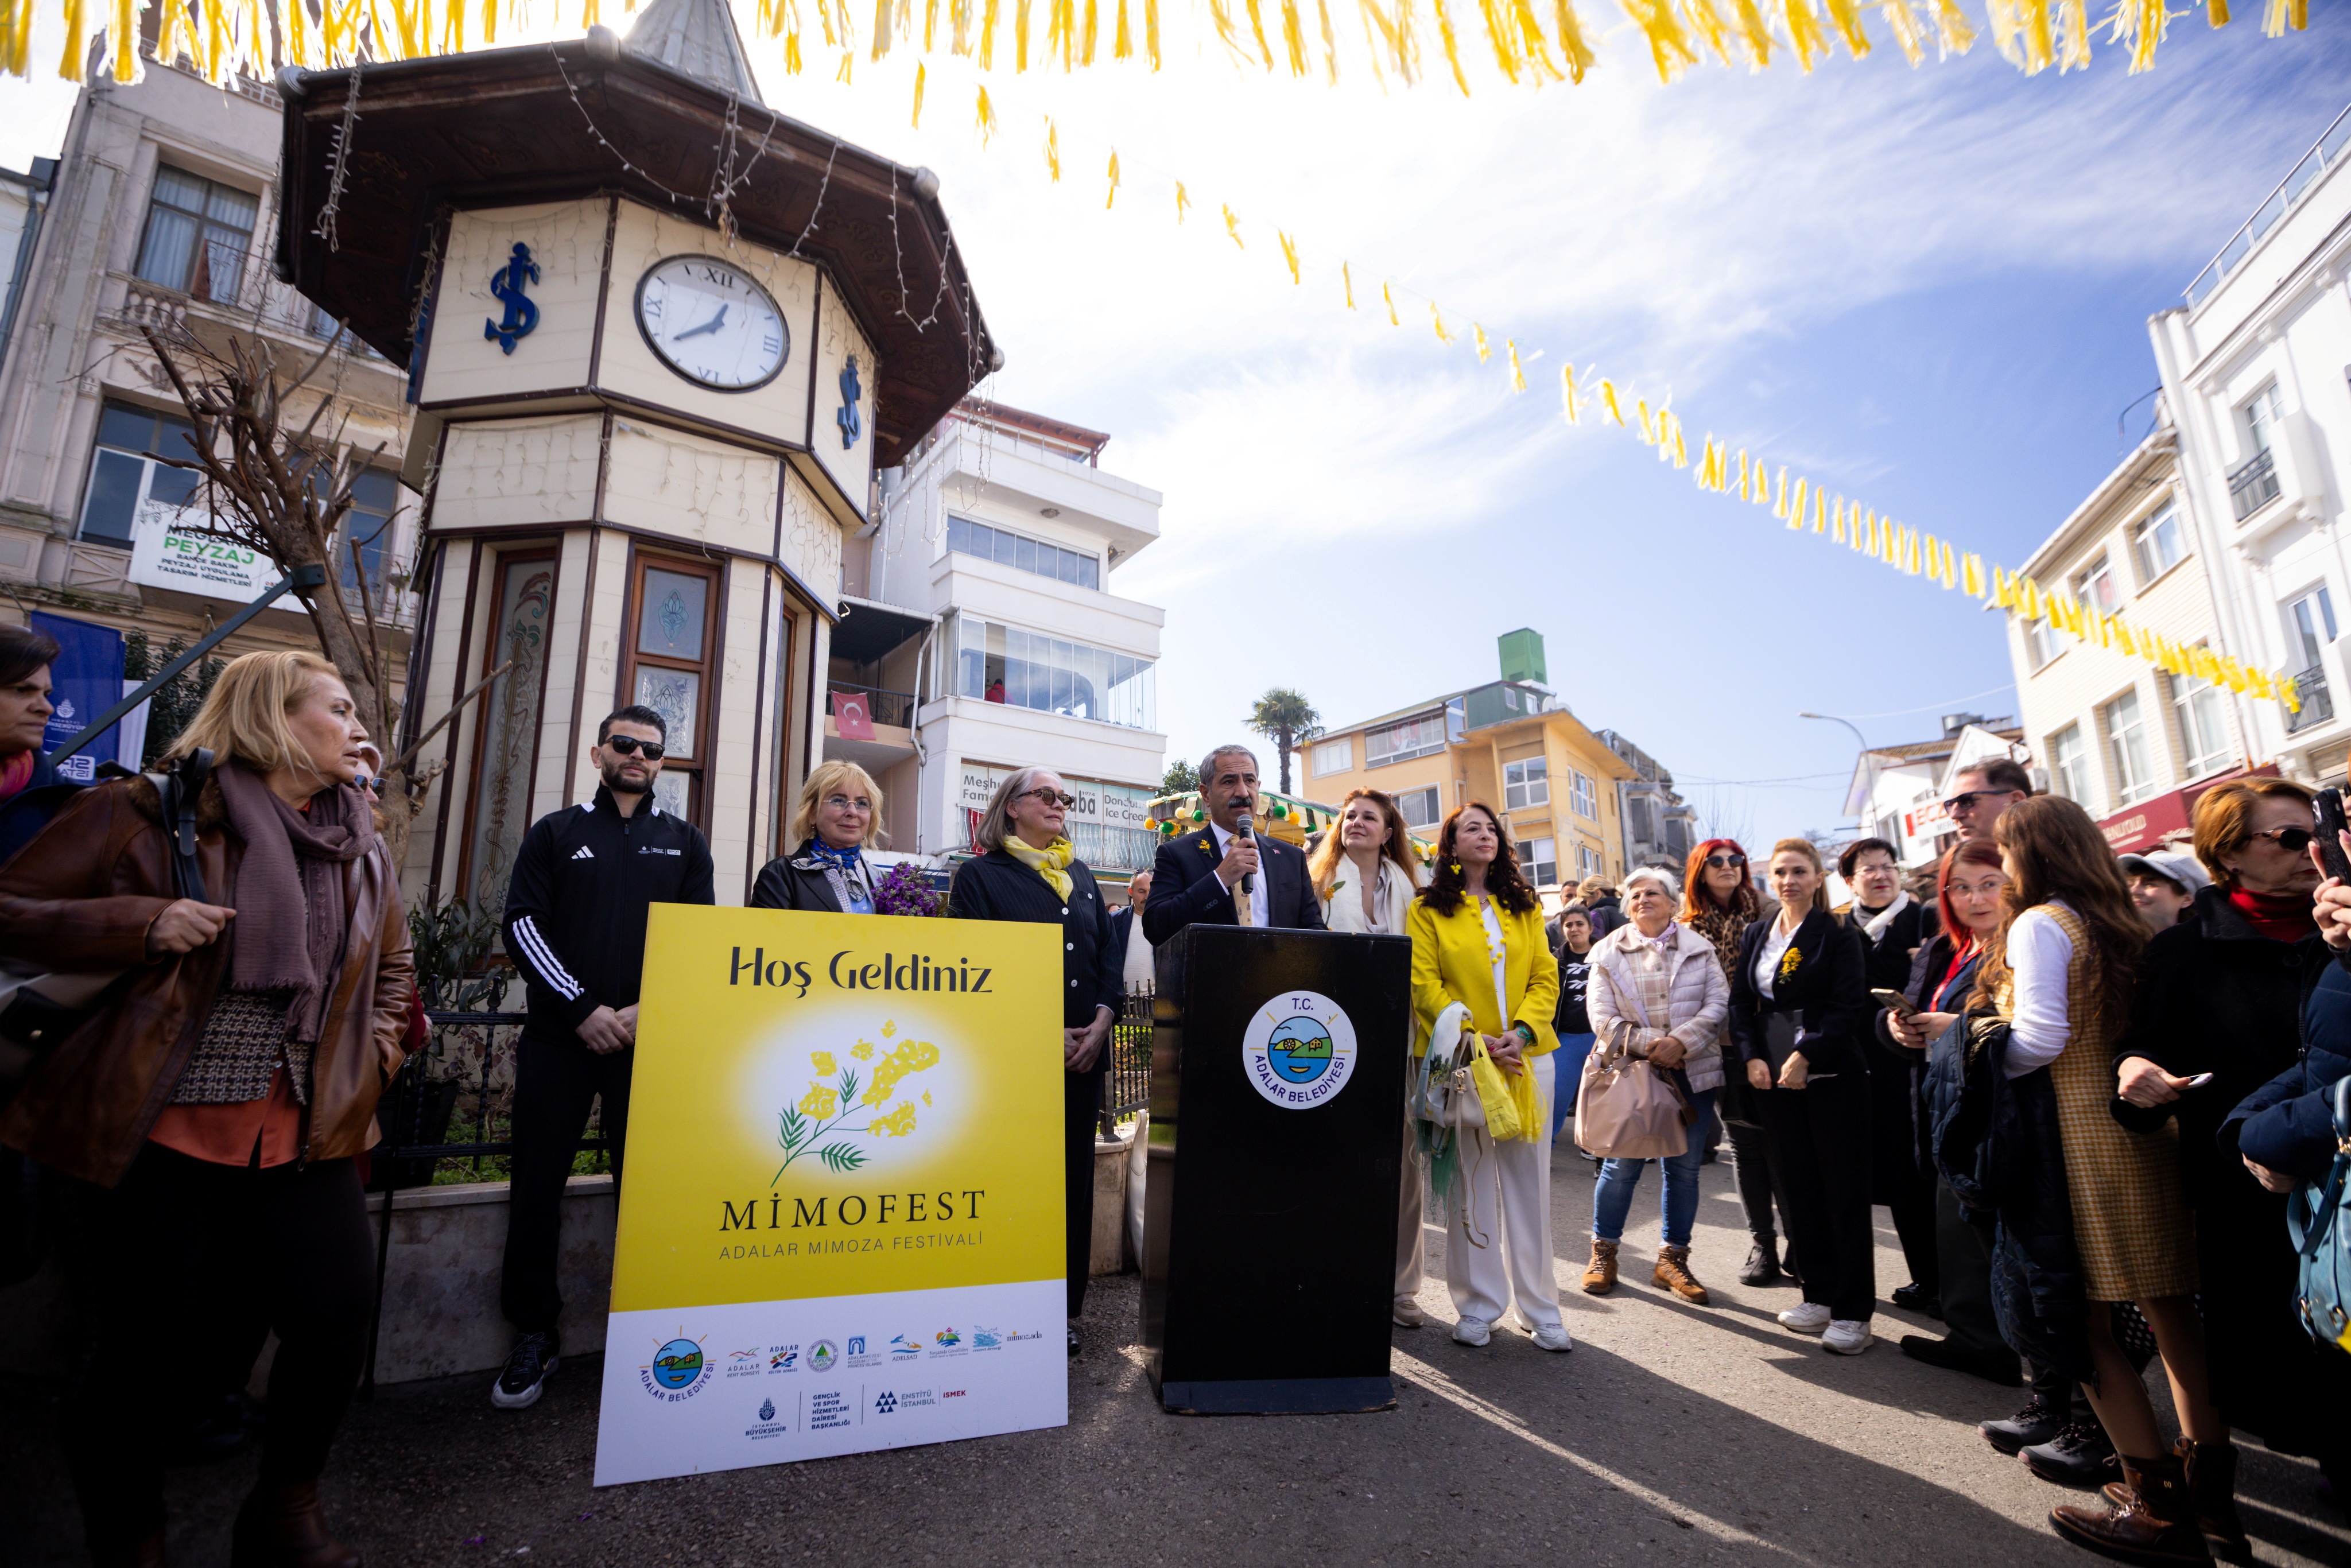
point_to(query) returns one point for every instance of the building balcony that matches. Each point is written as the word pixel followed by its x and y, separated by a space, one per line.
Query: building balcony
pixel 893 709
pixel 2253 485
pixel 2317 702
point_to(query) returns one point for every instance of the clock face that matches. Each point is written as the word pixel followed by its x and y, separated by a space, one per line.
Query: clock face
pixel 711 323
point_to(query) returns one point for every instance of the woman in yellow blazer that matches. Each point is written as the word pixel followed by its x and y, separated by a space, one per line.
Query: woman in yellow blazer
pixel 1478 939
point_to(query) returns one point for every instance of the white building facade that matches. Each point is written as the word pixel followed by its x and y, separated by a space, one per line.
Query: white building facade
pixel 159 214
pixel 2256 373
pixel 1897 791
pixel 2133 744
pixel 982 632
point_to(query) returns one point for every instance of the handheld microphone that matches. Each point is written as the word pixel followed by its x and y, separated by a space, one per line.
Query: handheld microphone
pixel 1244 829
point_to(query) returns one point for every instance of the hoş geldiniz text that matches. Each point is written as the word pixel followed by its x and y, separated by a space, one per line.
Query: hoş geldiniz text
pixel 895 972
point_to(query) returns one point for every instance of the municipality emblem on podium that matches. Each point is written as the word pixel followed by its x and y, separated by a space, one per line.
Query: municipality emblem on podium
pixel 1299 1050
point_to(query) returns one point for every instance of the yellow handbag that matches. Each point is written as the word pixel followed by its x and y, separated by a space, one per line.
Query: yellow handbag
pixel 1511 1106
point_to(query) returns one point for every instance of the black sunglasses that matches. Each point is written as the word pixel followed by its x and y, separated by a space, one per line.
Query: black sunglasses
pixel 2293 840
pixel 628 745
pixel 1966 802
pixel 1721 862
pixel 1051 797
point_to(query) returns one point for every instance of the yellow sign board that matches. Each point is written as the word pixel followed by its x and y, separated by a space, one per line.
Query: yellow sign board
pixel 840 1223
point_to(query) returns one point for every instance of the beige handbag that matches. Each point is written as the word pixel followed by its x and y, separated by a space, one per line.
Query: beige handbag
pixel 1625 1109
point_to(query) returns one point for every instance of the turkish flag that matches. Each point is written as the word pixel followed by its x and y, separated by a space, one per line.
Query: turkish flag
pixel 853 716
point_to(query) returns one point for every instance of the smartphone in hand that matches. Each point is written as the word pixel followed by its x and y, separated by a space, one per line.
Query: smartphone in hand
pixel 1895 1000
pixel 2327 809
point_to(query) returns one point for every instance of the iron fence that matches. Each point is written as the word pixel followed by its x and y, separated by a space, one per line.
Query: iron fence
pixel 884 706
pixel 2254 485
pixel 2318 703
pixel 1126 1087
pixel 448 1115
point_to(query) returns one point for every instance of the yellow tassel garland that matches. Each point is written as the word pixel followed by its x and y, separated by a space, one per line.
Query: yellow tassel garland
pixel 1112 196
pixel 1288 254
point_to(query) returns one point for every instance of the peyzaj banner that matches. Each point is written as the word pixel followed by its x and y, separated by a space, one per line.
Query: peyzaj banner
pixel 840 1224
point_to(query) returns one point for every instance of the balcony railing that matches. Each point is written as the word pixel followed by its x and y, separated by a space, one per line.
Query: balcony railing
pixel 2253 485
pixel 1115 849
pixel 2318 703
pixel 886 706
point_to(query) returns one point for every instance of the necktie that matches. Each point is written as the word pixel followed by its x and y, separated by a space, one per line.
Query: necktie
pixel 1242 912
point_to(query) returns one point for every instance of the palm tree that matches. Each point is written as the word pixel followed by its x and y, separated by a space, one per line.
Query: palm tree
pixel 1289 719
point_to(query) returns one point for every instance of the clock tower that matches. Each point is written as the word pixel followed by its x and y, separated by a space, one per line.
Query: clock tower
pixel 658 338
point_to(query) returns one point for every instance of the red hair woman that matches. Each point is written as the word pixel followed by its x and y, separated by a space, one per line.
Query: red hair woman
pixel 1720 902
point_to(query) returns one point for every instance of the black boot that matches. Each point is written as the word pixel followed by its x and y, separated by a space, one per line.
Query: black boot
pixel 2212 1495
pixel 1762 1265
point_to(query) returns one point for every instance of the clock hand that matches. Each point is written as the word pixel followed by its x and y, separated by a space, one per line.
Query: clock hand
pixel 710 325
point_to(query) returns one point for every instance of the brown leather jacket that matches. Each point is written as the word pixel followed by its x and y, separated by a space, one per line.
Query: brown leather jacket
pixel 79 898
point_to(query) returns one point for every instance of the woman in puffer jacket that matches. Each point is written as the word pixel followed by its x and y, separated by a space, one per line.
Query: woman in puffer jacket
pixel 1657 991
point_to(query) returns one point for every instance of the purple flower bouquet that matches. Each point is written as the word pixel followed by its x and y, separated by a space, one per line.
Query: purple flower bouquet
pixel 902 890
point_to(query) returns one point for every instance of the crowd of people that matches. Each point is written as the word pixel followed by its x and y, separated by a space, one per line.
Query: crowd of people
pixel 2081 1085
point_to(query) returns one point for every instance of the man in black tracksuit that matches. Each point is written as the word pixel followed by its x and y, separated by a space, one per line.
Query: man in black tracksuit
pixel 575 926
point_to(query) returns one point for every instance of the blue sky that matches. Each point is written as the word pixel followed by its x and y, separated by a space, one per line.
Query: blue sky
pixel 1928 287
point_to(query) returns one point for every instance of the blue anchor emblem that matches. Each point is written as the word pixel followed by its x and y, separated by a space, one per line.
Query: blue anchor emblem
pixel 850 428
pixel 506 283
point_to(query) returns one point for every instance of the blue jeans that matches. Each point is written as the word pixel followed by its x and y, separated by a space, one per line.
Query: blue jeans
pixel 1567 1067
pixel 1612 1199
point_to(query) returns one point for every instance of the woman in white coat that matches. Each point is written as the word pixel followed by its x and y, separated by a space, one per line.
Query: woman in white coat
pixel 1657 991
pixel 1365 872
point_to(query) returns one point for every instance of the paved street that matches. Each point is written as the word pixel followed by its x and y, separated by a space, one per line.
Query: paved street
pixel 1672 1434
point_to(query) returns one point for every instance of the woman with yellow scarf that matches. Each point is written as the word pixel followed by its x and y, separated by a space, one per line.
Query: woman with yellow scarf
pixel 1031 874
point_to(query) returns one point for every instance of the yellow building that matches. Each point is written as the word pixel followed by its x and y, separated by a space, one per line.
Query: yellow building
pixel 1511 744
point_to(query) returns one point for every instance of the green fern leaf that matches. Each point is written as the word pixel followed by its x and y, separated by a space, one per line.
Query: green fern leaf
pixel 842 1156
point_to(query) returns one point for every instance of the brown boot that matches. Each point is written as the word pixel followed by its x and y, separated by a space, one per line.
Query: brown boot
pixel 281 1527
pixel 147 1551
pixel 1673 1274
pixel 2212 1496
pixel 2145 1520
pixel 1600 1274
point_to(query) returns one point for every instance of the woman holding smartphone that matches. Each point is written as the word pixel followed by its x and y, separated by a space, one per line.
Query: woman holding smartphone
pixel 2221 997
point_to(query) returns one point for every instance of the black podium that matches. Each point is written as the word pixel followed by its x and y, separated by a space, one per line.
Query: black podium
pixel 1269 1209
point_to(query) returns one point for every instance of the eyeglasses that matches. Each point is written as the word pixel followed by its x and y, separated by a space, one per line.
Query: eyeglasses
pixel 1050 798
pixel 2293 840
pixel 843 803
pixel 1726 862
pixel 1967 800
pixel 628 745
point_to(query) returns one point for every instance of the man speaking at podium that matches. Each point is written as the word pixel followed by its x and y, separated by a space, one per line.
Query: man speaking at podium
pixel 1226 874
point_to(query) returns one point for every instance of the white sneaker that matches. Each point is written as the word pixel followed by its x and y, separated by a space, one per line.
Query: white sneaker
pixel 1405 1313
pixel 1846 1337
pixel 1472 1331
pixel 1554 1338
pixel 1805 1317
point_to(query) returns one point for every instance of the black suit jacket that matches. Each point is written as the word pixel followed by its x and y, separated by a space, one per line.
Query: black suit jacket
pixel 1185 888
pixel 1830 987
pixel 997 887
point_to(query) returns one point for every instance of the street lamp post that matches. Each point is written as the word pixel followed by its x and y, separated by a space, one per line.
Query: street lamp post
pixel 1868 823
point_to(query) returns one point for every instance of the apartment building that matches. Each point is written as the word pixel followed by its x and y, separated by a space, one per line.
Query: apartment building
pixel 982 635
pixel 2256 373
pixel 157 215
pixel 1511 743
pixel 2133 743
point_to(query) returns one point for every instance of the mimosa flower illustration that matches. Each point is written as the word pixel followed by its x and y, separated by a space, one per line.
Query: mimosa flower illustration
pixel 800 1129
